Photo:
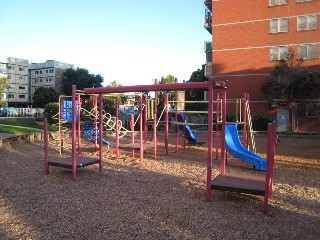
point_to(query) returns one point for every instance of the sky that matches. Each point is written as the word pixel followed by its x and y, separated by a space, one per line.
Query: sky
pixel 129 41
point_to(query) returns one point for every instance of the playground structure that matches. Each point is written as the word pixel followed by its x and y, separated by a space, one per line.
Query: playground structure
pixel 76 161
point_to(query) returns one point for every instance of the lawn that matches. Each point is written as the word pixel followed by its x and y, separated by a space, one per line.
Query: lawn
pixel 20 126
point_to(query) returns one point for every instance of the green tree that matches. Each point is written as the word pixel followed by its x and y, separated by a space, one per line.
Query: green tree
pixel 289 81
pixel 81 78
pixel 197 95
pixel 121 99
pixel 169 79
pixel 3 86
pixel 43 96
pixel 51 110
pixel 292 83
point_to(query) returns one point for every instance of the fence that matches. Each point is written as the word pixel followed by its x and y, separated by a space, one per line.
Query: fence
pixel 22 112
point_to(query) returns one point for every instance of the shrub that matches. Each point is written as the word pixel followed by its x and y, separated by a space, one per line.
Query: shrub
pixel 232 117
pixel 51 110
pixel 260 122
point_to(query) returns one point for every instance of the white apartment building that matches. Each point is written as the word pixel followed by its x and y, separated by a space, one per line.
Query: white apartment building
pixel 16 71
pixel 47 74
pixel 4 74
pixel 24 78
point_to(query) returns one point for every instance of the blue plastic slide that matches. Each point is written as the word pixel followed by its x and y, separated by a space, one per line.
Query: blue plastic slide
pixel 235 148
pixel 190 136
pixel 88 131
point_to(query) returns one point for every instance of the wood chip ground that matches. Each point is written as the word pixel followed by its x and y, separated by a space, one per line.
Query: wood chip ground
pixel 157 199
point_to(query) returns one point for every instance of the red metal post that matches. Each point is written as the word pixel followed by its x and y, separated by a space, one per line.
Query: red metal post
pixel 100 132
pixel 156 99
pixel 270 161
pixel 117 130
pixel 176 117
pixel 73 133
pixel 184 119
pixel 141 129
pixel 95 124
pixel 210 130
pixel 145 118
pixel 155 136
pixel 79 123
pixel 166 133
pixel 132 132
pixel 46 151
pixel 223 132
pixel 273 145
pixel 61 106
pixel 217 125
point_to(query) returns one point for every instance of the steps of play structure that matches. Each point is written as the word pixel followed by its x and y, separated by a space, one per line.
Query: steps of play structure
pixel 239 183
pixel 81 161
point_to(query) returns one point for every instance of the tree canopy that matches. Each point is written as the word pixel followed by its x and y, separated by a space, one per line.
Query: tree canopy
pixel 3 86
pixel 196 76
pixel 43 96
pixel 169 79
pixel 110 101
pixel 295 85
pixel 291 83
pixel 81 78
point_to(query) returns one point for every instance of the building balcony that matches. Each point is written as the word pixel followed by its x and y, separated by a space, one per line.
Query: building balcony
pixel 3 70
pixel 208 69
pixel 207 24
pixel 207 46
pixel 208 4
pixel 208 21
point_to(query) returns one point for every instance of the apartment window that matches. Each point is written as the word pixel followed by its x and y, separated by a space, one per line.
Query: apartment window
pixel 10 67
pixel 307 22
pixel 36 72
pixel 307 110
pixel 40 71
pixel 278 2
pixel 279 25
pixel 40 80
pixel 22 96
pixel 21 78
pixel 308 51
pixel 10 95
pixel 51 71
pixel 279 53
pixel 21 69
pixel 22 87
pixel 9 76
pixel 36 81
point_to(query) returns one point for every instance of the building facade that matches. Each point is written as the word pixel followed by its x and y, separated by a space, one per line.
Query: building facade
pixel 47 74
pixel 24 78
pixel 16 71
pixel 248 40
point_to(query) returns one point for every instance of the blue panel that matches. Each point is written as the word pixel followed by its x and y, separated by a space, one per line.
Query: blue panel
pixel 89 132
pixel 67 111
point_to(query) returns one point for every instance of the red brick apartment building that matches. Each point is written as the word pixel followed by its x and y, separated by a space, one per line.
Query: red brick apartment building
pixel 249 37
